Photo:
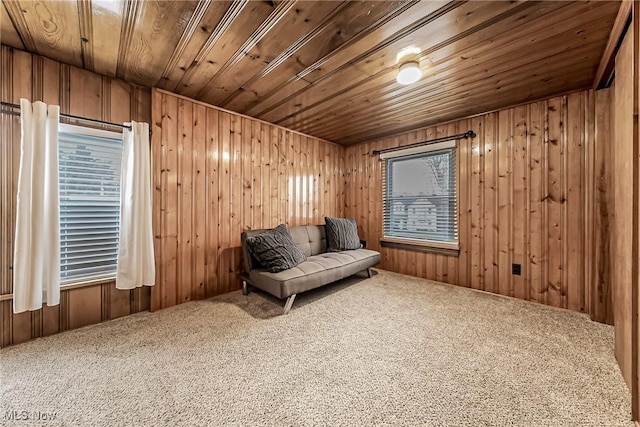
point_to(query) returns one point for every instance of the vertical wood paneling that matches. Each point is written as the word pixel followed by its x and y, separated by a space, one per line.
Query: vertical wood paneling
pixel 589 200
pixel 212 180
pixel 283 178
pixel 521 196
pixel 82 93
pixel 85 306
pixel 537 206
pixel 634 33
pixel 274 194
pixel 452 265
pixel 185 202
pixel 622 231
pixel 504 201
pixel 490 212
pixel 601 297
pixel 218 173
pixel 224 196
pixel 519 211
pixel 464 209
pixel 169 197
pixel 199 195
pixel 477 206
pixel 156 162
pixel 555 200
pixel 574 231
pixel 237 150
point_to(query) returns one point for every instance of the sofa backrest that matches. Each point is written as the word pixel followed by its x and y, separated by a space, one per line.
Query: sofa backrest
pixel 310 239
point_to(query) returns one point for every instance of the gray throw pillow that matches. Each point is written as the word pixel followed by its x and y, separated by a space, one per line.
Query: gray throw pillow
pixel 275 249
pixel 342 234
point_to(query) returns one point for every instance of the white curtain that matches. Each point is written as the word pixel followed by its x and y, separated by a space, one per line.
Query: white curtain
pixel 136 265
pixel 36 256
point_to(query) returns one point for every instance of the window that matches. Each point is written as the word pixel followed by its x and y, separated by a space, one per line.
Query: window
pixel 89 168
pixel 420 203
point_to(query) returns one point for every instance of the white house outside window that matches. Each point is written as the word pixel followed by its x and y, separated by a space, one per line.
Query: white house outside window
pixel 420 201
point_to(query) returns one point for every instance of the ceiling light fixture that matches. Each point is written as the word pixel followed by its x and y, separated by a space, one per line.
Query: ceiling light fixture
pixel 409 71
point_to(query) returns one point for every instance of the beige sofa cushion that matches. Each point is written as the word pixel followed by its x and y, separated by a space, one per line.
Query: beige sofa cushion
pixel 316 271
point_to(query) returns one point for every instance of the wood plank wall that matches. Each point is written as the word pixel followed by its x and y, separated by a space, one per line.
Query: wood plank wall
pixel 625 202
pixel 622 199
pixel 81 93
pixel 534 189
pixel 526 196
pixel 217 173
pixel 603 209
pixel 635 271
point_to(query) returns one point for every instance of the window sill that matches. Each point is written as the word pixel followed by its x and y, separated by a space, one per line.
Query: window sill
pixel 447 249
pixel 87 283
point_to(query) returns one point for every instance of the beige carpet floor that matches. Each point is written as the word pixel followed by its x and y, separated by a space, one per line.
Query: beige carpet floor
pixel 391 350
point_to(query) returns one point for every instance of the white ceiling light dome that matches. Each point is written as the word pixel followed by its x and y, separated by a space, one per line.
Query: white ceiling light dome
pixel 409 61
pixel 409 73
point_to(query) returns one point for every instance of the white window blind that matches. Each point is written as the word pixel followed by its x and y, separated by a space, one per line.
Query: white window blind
pixel 90 168
pixel 419 199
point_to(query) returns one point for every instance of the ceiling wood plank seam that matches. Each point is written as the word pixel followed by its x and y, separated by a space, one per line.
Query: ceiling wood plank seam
pixel 267 25
pixel 445 65
pixel 298 44
pixel 607 63
pixel 231 15
pixel 132 11
pixel 85 19
pixel 373 27
pixel 391 39
pixel 191 27
pixel 15 12
pixel 326 68
pixel 423 56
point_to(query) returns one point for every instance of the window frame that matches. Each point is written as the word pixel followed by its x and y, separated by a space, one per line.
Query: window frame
pixel 92 132
pixel 422 245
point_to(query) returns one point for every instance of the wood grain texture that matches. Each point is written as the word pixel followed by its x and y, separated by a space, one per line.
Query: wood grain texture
pixel 635 251
pixel 521 194
pixel 290 20
pixel 622 233
pixel 217 173
pixel 328 69
pixel 9 34
pixel 82 93
pixel 432 26
pixel 46 23
pixel 373 86
pixel 106 19
pixel 19 27
pixel 243 21
pixel 603 207
pixel 85 18
pixel 604 73
pixel 150 45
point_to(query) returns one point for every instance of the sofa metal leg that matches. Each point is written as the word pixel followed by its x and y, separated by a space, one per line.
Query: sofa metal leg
pixel 288 304
pixel 245 288
pixel 369 273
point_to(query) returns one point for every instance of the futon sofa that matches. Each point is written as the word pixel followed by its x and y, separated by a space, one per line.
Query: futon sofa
pixel 320 268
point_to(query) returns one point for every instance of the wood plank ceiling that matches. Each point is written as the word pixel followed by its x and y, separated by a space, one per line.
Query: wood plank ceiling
pixel 327 68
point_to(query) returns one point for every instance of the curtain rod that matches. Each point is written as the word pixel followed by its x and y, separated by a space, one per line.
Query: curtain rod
pixel 466 135
pixel 70 116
